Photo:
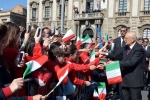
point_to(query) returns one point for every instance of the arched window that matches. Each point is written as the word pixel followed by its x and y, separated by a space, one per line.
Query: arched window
pixel 146 4
pixel 146 33
pixel 122 5
pixel 88 31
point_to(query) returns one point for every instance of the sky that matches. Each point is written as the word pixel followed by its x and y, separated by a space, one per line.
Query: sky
pixel 9 4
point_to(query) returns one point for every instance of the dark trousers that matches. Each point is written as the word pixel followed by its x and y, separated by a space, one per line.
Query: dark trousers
pixel 131 93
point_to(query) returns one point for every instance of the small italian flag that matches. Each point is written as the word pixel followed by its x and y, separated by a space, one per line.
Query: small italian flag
pixel 103 60
pixel 92 55
pixel 68 36
pixel 113 73
pixel 102 90
pixel 62 73
pixel 78 42
pixel 95 95
pixel 106 38
pixel 87 39
pixel 101 93
pixel 35 64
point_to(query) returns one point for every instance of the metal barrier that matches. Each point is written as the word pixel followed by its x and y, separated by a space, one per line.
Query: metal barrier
pixel 81 94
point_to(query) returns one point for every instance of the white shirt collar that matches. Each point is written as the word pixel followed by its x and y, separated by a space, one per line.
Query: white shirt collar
pixel 121 41
pixel 131 46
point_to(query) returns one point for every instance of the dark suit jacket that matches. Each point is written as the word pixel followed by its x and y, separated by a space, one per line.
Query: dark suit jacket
pixel 148 52
pixel 117 47
pixel 131 66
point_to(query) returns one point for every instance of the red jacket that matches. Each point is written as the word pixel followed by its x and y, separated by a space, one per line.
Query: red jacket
pixel 73 75
pixel 8 93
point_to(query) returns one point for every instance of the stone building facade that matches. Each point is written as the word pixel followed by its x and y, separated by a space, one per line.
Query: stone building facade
pixel 85 16
pixel 17 15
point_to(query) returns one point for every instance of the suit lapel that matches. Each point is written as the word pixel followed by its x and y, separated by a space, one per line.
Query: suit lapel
pixel 131 51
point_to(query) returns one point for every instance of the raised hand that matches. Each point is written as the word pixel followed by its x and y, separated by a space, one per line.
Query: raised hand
pixel 92 67
pixel 87 83
pixel 16 84
pixel 46 42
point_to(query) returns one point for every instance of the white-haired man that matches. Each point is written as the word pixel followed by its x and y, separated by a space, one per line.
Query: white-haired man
pixel 131 63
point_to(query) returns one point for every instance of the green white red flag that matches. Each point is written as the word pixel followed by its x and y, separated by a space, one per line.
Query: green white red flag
pixel 113 73
pixel 68 36
pixel 35 64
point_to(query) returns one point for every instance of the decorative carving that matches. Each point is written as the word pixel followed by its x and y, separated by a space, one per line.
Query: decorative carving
pixel 142 27
pixel 122 20
pixel 34 4
pixel 77 22
pixel 47 23
pixel 47 2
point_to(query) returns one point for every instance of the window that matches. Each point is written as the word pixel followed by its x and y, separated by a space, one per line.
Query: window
pixel 60 11
pixel 33 13
pixel 4 20
pixel 17 22
pixel 122 5
pixel 89 6
pixel 88 31
pixel 146 33
pixel 146 4
pixel 47 12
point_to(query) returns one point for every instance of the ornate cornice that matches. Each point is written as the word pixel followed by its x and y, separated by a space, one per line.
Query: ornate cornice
pixel 44 2
pixel 34 3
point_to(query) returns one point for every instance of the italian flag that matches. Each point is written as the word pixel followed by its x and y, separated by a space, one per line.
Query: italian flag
pixel 68 36
pixel 78 42
pixel 34 64
pixel 102 90
pixel 95 95
pixel 92 55
pixel 106 38
pixel 62 73
pixel 103 60
pixel 87 39
pixel 113 73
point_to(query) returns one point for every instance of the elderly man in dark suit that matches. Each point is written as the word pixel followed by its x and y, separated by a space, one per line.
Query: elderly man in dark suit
pixel 131 63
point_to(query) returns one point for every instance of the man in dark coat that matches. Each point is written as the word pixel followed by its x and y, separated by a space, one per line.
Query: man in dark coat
pixel 131 63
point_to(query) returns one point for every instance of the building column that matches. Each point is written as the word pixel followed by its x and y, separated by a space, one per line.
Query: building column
pixel 40 18
pixel 78 34
pixel 28 13
pixel 78 28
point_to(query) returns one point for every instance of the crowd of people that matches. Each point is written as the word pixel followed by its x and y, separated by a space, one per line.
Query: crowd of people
pixel 132 54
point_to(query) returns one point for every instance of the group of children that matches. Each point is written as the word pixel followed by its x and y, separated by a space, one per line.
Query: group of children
pixel 60 57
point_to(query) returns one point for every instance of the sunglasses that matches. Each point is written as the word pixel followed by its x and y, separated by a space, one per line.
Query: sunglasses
pixel 146 41
pixel 122 30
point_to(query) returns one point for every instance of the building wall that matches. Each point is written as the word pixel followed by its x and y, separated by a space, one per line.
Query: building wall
pixel 110 22
pixel 16 15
